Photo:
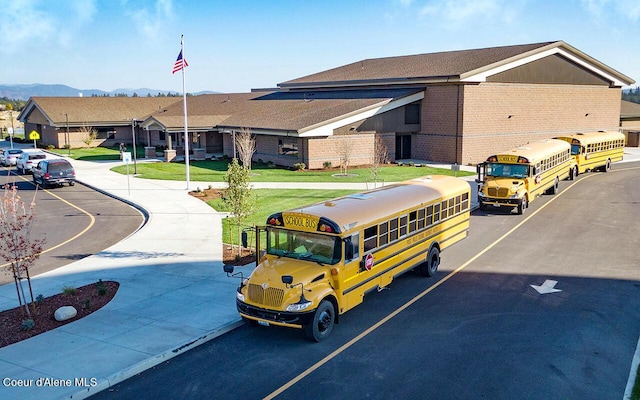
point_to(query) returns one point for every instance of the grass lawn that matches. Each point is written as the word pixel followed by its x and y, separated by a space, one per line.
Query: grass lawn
pixel 97 153
pixel 214 171
pixel 269 201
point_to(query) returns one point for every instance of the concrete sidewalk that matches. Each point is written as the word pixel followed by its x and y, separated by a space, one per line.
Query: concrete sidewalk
pixel 173 295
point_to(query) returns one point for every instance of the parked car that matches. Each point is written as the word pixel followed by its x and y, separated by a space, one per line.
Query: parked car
pixel 8 157
pixel 52 172
pixel 28 158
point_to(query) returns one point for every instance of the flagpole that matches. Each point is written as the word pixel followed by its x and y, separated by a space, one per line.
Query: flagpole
pixel 184 103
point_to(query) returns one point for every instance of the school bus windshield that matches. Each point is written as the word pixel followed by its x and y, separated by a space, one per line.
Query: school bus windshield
pixel 575 149
pixel 323 249
pixel 501 170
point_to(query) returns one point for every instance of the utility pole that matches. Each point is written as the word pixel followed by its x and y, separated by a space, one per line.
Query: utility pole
pixel 133 133
pixel 12 128
pixel 67 137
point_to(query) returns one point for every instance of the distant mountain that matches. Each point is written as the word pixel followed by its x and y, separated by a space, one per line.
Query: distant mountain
pixel 24 92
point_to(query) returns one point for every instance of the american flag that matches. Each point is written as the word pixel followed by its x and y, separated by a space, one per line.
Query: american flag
pixel 180 63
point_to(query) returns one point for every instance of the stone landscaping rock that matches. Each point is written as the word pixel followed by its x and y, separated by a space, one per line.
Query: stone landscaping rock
pixel 64 313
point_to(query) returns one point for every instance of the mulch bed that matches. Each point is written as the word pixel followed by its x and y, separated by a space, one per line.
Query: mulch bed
pixel 86 300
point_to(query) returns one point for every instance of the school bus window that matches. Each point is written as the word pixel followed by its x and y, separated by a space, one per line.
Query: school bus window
pixel 383 230
pixel 421 216
pixel 458 204
pixel 352 247
pixel 436 213
pixel 413 221
pixel 465 201
pixel 403 226
pixel 393 229
pixel 429 217
pixel 370 238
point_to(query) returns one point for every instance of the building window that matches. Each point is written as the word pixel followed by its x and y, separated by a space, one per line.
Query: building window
pixel 162 135
pixel 288 147
pixel 412 113
pixel 105 133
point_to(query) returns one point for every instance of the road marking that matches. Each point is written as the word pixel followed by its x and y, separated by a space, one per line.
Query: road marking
pixel 91 222
pixel 416 298
pixel 547 287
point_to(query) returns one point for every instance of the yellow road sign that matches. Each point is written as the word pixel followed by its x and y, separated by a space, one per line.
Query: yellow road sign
pixel 33 135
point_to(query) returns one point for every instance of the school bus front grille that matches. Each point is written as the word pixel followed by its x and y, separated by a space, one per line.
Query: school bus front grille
pixel 271 297
pixel 495 192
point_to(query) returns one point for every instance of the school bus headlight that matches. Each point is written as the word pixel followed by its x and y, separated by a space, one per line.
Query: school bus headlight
pixel 298 306
pixel 240 296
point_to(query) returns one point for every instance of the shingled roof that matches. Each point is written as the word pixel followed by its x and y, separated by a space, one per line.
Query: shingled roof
pixel 450 66
pixel 295 112
pixel 97 111
pixel 629 109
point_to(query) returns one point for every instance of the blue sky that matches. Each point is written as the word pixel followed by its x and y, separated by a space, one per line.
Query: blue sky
pixel 237 45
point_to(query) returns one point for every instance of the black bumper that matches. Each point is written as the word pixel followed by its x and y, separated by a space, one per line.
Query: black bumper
pixel 278 317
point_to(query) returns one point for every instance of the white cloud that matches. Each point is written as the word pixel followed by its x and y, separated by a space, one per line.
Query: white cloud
pixel 150 21
pixel 623 9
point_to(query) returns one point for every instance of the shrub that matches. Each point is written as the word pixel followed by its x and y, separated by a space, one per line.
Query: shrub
pixel 39 299
pixel 326 164
pixel 299 166
pixel 28 324
pixel 69 290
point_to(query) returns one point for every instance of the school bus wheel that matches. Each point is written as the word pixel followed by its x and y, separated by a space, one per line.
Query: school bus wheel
pixel 522 205
pixel 573 174
pixel 322 324
pixel 607 166
pixel 430 266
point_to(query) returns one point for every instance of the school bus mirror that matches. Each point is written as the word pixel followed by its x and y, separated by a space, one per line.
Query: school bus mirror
pixel 287 279
pixel 245 239
pixel 228 268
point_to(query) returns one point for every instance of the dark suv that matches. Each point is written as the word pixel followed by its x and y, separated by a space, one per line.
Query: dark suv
pixel 53 172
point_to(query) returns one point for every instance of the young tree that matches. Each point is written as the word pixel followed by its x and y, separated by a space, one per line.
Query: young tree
pixel 343 146
pixel 380 157
pixel 238 195
pixel 246 147
pixel 89 134
pixel 17 247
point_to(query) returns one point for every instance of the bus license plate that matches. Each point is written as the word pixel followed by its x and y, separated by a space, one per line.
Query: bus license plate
pixel 263 323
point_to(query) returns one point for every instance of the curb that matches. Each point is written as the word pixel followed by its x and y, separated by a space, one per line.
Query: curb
pixel 153 361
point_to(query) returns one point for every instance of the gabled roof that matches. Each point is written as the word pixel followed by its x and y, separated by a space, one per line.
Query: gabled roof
pixel 629 109
pixel 451 66
pixel 303 113
pixel 96 111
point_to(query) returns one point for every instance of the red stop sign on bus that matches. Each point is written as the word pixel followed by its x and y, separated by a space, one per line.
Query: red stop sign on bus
pixel 368 262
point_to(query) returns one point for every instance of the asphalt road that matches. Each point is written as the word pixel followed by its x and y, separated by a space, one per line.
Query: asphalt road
pixel 479 330
pixel 76 221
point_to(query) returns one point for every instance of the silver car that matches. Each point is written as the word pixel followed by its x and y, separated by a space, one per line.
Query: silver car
pixel 8 157
pixel 28 159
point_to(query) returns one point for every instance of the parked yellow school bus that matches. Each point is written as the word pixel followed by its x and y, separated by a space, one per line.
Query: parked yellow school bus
pixel 595 150
pixel 321 260
pixel 515 178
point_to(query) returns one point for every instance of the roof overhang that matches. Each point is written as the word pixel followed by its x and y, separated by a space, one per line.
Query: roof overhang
pixel 561 48
pixel 326 128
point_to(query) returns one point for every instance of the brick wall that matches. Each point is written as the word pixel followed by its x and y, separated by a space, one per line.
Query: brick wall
pixel 493 117
pixel 329 149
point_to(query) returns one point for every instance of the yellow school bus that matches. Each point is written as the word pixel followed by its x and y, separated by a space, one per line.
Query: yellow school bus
pixel 319 261
pixel 595 150
pixel 515 178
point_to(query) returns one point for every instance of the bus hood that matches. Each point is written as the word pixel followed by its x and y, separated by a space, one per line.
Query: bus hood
pixel 270 271
pixel 504 183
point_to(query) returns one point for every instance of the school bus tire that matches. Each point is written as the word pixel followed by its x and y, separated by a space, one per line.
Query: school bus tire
pixel 522 205
pixel 573 174
pixel 430 266
pixel 554 189
pixel 322 324
pixel 607 166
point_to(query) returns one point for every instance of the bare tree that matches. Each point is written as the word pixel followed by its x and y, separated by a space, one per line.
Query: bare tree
pixel 246 147
pixel 343 146
pixel 380 157
pixel 17 247
pixel 89 134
